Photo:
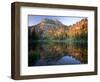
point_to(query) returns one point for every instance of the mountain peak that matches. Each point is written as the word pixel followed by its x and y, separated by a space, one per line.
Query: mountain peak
pixel 51 21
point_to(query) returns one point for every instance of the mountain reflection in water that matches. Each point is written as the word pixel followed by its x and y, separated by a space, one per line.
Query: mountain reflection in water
pixel 57 53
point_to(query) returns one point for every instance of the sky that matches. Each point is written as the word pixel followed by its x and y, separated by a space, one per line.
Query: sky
pixel 66 20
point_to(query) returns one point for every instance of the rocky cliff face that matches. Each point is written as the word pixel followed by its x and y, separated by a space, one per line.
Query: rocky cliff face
pixel 78 28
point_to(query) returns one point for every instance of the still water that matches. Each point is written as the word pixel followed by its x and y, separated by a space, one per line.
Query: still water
pixel 57 53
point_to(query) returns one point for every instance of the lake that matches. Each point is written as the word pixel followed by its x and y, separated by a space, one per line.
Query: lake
pixel 46 53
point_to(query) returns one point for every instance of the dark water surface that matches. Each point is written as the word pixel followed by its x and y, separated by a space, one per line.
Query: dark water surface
pixel 57 53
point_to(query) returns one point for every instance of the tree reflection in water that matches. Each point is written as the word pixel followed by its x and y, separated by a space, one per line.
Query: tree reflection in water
pixel 57 53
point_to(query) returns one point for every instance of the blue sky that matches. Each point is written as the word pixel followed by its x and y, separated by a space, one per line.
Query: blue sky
pixel 66 20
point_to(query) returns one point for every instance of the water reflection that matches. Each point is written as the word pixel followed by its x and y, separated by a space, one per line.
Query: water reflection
pixel 57 53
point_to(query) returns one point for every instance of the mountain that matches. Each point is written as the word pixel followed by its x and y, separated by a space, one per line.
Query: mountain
pixel 51 21
pixel 54 29
pixel 47 24
pixel 45 27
